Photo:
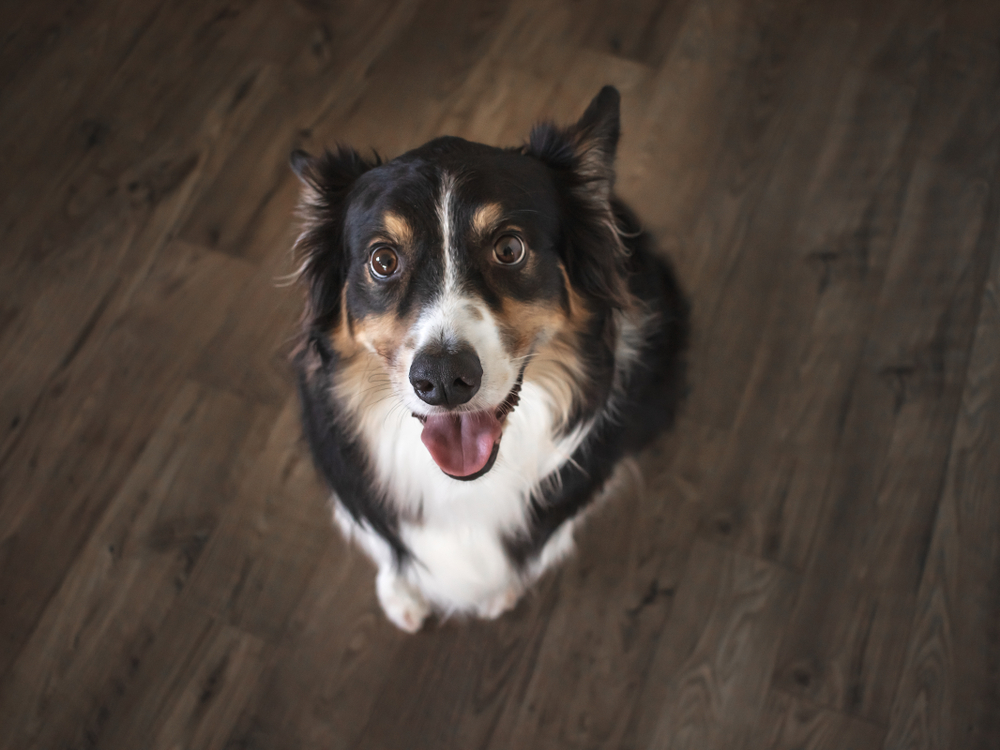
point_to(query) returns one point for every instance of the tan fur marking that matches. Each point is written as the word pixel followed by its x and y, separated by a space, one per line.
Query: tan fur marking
pixel 341 335
pixel 558 367
pixel 398 229
pixel 557 362
pixel 577 309
pixel 361 380
pixel 382 334
pixel 370 357
pixel 486 217
pixel 524 323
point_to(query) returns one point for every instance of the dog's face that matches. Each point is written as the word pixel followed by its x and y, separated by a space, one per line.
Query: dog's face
pixel 444 274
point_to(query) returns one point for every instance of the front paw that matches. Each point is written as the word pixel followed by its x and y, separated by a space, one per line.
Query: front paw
pixel 402 604
pixel 495 606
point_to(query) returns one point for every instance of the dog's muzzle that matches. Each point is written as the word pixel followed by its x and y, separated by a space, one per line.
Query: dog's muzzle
pixel 465 445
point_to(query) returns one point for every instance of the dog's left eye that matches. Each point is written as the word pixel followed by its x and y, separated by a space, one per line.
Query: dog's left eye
pixel 383 262
pixel 509 250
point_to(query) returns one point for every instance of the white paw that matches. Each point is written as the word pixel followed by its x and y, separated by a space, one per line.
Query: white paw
pixel 402 604
pixel 495 606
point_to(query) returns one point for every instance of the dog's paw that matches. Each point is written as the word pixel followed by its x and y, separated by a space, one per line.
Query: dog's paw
pixel 402 604
pixel 495 606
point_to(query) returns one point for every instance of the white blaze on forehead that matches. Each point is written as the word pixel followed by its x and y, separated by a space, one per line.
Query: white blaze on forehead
pixel 446 219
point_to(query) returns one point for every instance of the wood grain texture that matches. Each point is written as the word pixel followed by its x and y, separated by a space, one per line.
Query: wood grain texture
pixel 788 723
pixel 898 426
pixel 135 564
pixel 809 561
pixel 709 673
pixel 110 405
pixel 949 693
pixel 848 162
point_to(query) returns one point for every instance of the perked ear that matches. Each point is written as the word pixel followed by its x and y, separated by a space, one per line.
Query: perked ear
pixel 597 134
pixel 332 172
pixel 327 181
pixel 302 164
pixel 582 158
pixel 588 147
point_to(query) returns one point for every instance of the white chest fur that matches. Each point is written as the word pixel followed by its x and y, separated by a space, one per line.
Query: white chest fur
pixel 455 529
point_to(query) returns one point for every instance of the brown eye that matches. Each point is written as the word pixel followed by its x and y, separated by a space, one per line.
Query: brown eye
pixel 509 250
pixel 383 262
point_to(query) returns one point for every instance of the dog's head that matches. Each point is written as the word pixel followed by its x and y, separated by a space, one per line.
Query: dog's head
pixel 455 270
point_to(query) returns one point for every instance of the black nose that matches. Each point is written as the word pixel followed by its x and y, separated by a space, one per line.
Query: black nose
pixel 446 378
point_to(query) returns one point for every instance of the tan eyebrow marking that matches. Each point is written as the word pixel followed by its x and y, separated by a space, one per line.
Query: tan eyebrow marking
pixel 485 217
pixel 397 227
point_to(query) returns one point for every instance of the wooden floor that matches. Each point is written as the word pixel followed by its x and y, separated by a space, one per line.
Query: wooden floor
pixel 810 561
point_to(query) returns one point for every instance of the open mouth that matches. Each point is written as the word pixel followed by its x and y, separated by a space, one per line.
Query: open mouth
pixel 465 444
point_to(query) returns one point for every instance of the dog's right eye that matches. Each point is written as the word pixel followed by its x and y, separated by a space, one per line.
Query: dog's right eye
pixel 509 250
pixel 383 262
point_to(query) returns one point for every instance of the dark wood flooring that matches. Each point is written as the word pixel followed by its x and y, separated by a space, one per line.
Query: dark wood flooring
pixel 810 561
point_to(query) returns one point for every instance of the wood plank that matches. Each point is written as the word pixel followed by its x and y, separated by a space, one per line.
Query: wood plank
pixel 948 692
pixel 449 687
pixel 704 79
pixel 709 676
pixel 491 684
pixel 250 351
pixel 245 208
pixel 190 690
pixel 458 683
pixel 505 94
pixel 137 561
pixel 897 427
pixel 767 499
pixel 261 557
pixel 219 679
pixel 104 210
pixel 110 120
pixel 643 30
pixel 788 723
pixel 109 403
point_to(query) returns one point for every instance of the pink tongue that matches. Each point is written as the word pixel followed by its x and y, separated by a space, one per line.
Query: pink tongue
pixel 461 444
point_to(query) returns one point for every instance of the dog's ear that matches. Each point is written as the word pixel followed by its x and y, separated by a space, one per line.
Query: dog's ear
pixel 302 163
pixel 588 147
pixel 582 158
pixel 327 181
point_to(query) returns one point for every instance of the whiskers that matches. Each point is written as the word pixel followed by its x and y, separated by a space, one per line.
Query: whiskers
pixel 522 362
pixel 382 388
pixel 398 411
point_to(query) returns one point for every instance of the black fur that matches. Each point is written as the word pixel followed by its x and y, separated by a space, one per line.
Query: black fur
pixel 581 158
pixel 330 179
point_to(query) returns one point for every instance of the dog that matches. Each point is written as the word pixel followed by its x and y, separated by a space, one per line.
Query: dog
pixel 487 332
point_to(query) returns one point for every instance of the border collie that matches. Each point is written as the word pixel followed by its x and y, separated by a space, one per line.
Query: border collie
pixel 487 332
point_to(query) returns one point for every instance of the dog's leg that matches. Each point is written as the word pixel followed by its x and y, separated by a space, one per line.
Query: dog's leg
pixel 405 607
pixel 559 546
pixel 495 606
pixel 401 602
